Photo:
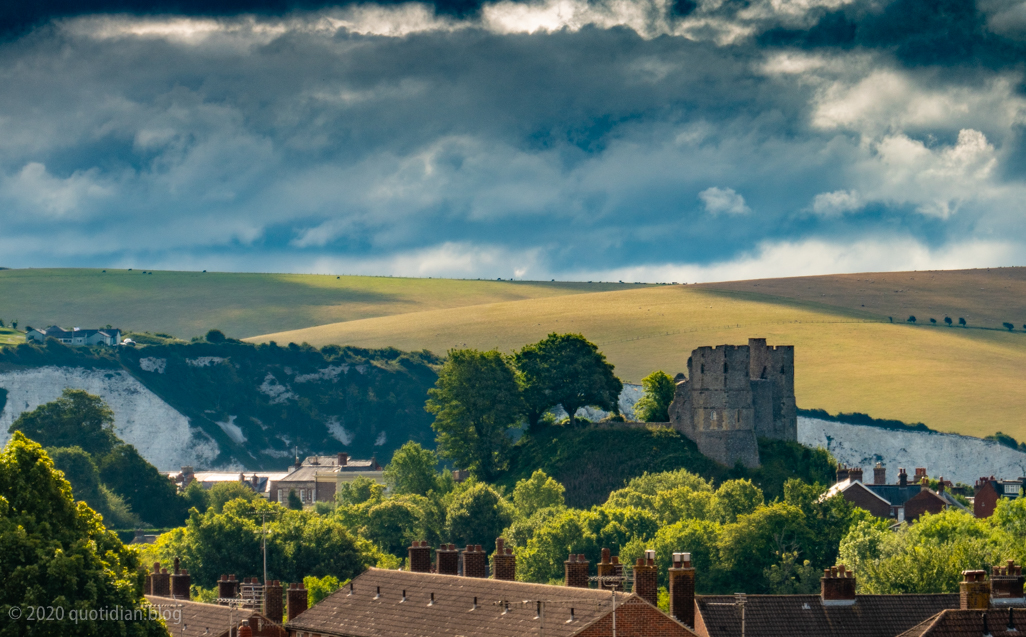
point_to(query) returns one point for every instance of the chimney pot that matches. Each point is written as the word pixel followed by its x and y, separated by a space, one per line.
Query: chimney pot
pixel 974 591
pixel 837 587
pixel 682 589
pixel 504 562
pixel 576 571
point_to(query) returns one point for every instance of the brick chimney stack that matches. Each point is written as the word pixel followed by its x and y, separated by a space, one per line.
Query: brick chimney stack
pixel 181 585
pixel 504 565
pixel 879 474
pixel 244 629
pixel 1006 585
pixel 475 561
pixel 420 557
pixel 920 475
pixel 296 595
pixel 273 598
pixel 902 477
pixel 606 569
pixel 646 584
pixel 160 581
pixel 855 474
pixel 842 473
pixel 447 560
pixel 227 588
pixel 682 589
pixel 576 571
pixel 837 586
pixel 974 591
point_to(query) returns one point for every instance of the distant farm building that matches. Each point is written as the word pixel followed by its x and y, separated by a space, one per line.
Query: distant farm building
pixel 77 336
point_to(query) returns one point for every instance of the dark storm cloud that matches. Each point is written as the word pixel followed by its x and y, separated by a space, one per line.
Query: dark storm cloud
pixel 558 139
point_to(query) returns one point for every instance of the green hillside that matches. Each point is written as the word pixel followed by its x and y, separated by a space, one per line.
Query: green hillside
pixel 187 304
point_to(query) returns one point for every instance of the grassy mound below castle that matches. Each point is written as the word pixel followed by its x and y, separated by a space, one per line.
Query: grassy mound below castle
pixel 592 461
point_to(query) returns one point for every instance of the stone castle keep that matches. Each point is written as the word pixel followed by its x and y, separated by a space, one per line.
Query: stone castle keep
pixel 734 394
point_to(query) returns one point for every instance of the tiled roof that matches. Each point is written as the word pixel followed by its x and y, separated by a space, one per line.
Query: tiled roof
pixel 787 615
pixel 364 614
pixel 197 618
pixel 969 623
pixel 896 494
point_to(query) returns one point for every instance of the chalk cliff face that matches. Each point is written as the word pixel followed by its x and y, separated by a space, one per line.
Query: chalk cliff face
pixel 161 434
pixel 956 458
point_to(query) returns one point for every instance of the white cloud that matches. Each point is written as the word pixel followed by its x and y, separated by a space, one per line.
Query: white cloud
pixel 36 191
pixel 839 202
pixel 723 200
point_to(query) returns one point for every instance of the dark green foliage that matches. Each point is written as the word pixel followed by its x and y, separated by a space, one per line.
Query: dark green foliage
pixel 79 470
pixel 3 399
pixel 1008 326
pixel 413 470
pixel 477 514
pixel 961 321
pixel 567 370
pixel 654 406
pixel 590 463
pixel 224 492
pixel 947 320
pixel 215 336
pixel 76 419
pixel 1007 441
pixel 196 497
pixel 475 402
pixel 857 418
pixel 54 552
pixel 148 492
pixel 294 502
pixel 911 319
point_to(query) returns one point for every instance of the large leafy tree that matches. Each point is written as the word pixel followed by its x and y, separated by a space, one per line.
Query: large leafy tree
pixel 654 406
pixel 413 470
pixel 475 402
pixel 56 552
pixel 147 491
pixel 76 419
pixel 477 514
pixel 567 370
pixel 536 493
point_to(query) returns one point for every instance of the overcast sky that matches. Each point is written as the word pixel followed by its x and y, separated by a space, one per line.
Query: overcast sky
pixel 617 139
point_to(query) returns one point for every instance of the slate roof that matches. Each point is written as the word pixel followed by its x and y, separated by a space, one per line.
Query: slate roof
pixel 788 615
pixel 969 623
pixel 364 614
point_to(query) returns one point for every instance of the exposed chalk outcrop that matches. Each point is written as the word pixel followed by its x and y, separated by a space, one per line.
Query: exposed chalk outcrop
pixel 957 458
pixel 160 434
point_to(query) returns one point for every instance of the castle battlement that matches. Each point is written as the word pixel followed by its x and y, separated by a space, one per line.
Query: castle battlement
pixel 734 394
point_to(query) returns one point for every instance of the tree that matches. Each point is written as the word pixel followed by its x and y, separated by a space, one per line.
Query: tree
pixel 196 497
pixel 413 470
pixel 735 498
pixel 947 319
pixel 792 576
pixel 654 406
pixel 477 515
pixel 215 336
pixel 911 319
pixel 320 587
pixel 295 503
pixel 54 552
pixel 536 493
pixel 359 490
pixel 224 492
pixel 933 321
pixel 961 321
pixel 78 469
pixel 751 544
pixel 567 370
pixel 147 491
pixel 475 401
pixel 1009 326
pixel 76 419
pixel 396 522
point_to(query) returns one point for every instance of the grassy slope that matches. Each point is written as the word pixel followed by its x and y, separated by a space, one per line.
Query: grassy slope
pixel 11 337
pixel 188 304
pixel 593 461
pixel 966 381
pixel 985 298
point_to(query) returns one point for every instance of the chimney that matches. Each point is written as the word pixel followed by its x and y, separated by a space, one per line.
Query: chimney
pixel 1006 585
pixel 504 565
pixel 879 474
pixel 837 587
pixel 607 571
pixel 273 606
pixel 920 475
pixel 181 584
pixel 645 578
pixel 842 473
pixel 447 560
pixel 475 561
pixel 160 581
pixel 296 600
pixel 855 474
pixel 244 629
pixel 576 571
pixel 420 557
pixel 682 589
pixel 940 485
pixel 227 588
pixel 974 591
pixel 902 477
pixel 343 459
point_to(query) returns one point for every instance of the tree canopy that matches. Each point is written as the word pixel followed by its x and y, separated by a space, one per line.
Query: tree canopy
pixel 567 370
pixel 413 470
pixel 654 406
pixel 475 401
pixel 76 419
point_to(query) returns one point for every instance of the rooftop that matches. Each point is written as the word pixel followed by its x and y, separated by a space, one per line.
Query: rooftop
pixel 970 623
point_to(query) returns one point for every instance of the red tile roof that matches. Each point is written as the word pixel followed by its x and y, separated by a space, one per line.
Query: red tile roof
pixel 970 623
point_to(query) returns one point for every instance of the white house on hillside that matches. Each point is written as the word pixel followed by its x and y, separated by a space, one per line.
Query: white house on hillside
pixel 77 336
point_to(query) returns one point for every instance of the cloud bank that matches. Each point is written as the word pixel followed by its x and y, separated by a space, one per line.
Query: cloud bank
pixel 615 139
